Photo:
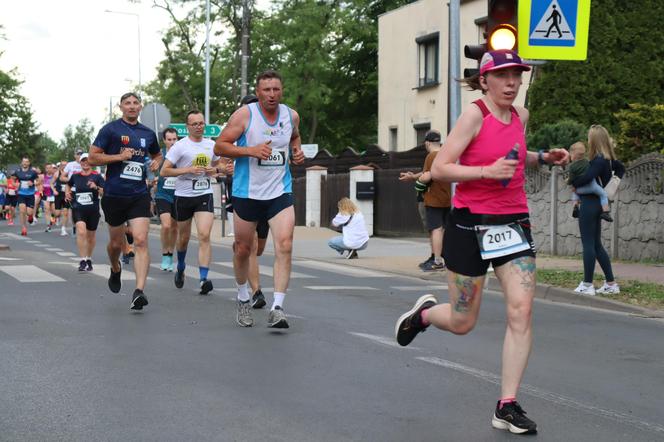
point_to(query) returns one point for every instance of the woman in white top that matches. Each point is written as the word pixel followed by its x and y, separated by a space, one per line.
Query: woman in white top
pixel 355 236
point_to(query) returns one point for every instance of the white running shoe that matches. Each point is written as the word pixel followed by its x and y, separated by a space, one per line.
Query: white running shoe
pixel 585 289
pixel 607 289
pixel 63 232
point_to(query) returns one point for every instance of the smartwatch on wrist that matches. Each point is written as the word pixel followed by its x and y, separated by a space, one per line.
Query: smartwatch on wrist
pixel 540 157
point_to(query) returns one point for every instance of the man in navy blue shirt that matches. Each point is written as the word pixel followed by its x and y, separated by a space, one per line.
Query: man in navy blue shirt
pixel 28 179
pixel 122 146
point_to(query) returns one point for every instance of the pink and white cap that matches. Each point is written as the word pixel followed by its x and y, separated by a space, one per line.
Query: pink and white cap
pixel 501 59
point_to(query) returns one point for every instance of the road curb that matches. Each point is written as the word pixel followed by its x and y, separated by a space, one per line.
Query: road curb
pixel 567 296
pixel 4 247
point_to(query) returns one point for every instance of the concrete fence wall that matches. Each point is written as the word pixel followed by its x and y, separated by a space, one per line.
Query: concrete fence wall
pixel 637 232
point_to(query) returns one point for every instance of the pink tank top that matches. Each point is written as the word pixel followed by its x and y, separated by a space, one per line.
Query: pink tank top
pixel 494 141
pixel 47 184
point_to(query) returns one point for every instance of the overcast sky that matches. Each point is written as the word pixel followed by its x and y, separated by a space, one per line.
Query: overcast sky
pixel 73 57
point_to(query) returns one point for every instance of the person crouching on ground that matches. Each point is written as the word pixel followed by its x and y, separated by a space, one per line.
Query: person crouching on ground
pixel 354 231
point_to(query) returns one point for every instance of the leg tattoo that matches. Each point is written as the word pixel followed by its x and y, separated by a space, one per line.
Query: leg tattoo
pixel 468 288
pixel 525 268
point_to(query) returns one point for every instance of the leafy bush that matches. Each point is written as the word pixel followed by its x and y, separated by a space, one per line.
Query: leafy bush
pixel 560 134
pixel 641 131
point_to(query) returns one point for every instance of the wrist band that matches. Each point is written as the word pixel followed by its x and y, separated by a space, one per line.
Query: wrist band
pixel 540 157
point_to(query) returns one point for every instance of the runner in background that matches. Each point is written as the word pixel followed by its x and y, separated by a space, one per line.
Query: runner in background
pixel 85 209
pixel 165 203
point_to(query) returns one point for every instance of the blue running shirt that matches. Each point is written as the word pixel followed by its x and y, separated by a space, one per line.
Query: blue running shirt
pixel 24 177
pixel 126 178
pixel 165 186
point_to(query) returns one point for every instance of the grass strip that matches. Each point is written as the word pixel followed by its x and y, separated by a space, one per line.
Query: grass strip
pixel 644 294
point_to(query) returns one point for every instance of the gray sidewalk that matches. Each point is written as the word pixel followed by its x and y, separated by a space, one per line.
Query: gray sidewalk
pixel 402 255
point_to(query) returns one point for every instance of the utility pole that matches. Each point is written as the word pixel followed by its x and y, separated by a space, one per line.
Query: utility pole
pixel 244 62
pixel 207 62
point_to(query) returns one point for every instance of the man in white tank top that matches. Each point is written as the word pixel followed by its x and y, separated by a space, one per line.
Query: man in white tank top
pixel 263 137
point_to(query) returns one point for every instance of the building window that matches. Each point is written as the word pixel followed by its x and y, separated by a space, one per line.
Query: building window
pixel 428 49
pixel 393 139
pixel 420 131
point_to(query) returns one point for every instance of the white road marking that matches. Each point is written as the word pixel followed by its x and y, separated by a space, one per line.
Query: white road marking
pixel 192 272
pixel 423 288
pixel 528 389
pixel 54 249
pixel 15 236
pixel 66 253
pixel 42 245
pixel 268 271
pixel 101 270
pixel 9 259
pixel 343 269
pixel 30 273
pixel 384 340
pixel 548 395
pixel 339 287
pixel 32 241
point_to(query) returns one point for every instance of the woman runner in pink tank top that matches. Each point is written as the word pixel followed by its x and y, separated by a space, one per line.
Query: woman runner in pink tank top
pixel 485 153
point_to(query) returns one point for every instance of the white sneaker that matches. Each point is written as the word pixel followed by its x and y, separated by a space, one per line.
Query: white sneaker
pixel 585 289
pixel 63 232
pixel 607 289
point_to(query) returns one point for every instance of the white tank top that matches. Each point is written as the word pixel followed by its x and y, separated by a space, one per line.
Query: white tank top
pixel 271 178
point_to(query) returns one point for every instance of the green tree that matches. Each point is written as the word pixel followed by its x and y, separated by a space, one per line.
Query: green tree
pixel 17 128
pixel 624 66
pixel 561 134
pixel 641 131
pixel 76 137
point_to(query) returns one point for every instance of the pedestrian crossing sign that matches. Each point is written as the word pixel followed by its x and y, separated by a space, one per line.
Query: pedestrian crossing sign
pixel 554 29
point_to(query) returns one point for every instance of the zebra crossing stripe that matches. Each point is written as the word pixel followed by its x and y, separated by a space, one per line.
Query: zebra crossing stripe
pixel 339 287
pixel 343 269
pixel 30 273
pixel 267 271
pixel 192 272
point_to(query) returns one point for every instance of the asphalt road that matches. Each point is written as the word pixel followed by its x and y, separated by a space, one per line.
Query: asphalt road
pixel 78 365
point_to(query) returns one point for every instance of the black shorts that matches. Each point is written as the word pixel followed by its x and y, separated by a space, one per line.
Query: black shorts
pixel 118 211
pixel 262 229
pixel 28 200
pixel 60 201
pixel 164 206
pixel 261 210
pixel 461 249
pixel 436 217
pixel 89 216
pixel 11 200
pixel 186 206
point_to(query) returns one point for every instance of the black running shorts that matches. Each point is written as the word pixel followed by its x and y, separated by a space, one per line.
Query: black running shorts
pixel 11 200
pixel 186 206
pixel 89 216
pixel 461 249
pixel 436 217
pixel 28 200
pixel 164 206
pixel 261 210
pixel 262 229
pixel 119 210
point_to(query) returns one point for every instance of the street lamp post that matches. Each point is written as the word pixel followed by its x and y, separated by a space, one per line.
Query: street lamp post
pixel 138 24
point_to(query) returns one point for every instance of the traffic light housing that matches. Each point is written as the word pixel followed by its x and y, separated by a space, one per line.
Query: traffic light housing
pixel 473 52
pixel 502 21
